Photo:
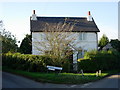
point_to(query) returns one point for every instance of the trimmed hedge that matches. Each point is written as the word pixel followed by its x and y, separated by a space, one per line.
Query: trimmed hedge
pixel 33 63
pixel 99 60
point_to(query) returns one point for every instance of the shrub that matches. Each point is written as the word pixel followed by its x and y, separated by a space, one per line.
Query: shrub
pixel 26 62
pixel 102 60
pixel 34 63
pixel 67 66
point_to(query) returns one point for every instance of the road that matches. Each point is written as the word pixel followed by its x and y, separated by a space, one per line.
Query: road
pixel 112 81
pixel 14 81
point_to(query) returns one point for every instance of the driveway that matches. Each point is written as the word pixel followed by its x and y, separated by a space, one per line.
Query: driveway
pixel 14 81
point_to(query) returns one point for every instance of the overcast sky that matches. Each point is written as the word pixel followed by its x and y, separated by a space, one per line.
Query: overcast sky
pixel 16 15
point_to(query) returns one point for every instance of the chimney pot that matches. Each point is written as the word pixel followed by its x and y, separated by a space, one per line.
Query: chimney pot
pixel 33 11
pixel 88 12
pixel 34 16
pixel 89 17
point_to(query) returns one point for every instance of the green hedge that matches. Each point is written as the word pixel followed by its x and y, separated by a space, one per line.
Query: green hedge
pixel 34 63
pixel 26 62
pixel 99 60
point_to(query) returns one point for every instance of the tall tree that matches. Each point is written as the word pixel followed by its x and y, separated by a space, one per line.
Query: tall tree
pixel 8 40
pixel 26 45
pixel 103 41
pixel 58 40
pixel 115 44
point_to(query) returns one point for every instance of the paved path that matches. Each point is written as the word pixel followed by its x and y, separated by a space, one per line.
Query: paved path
pixel 14 81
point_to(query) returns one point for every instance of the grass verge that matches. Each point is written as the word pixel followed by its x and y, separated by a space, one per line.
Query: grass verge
pixel 61 78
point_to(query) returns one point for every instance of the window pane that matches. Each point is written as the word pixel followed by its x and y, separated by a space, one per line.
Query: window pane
pixel 80 36
pixel 84 36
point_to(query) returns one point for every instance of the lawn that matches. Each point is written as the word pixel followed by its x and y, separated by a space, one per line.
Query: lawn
pixel 63 78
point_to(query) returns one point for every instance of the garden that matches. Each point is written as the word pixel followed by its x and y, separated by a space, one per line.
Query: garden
pixel 34 67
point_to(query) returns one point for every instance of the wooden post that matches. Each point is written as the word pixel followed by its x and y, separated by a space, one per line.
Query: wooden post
pixel 99 72
pixel 82 72
pixel 96 73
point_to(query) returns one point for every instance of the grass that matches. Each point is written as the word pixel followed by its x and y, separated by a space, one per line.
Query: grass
pixel 62 78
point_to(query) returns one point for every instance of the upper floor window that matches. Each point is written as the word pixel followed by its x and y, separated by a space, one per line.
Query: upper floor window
pixel 82 36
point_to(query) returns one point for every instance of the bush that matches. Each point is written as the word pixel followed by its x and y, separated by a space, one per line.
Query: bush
pixel 102 60
pixel 34 63
pixel 26 62
pixel 67 66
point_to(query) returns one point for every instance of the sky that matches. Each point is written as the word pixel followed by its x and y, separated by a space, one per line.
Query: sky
pixel 16 15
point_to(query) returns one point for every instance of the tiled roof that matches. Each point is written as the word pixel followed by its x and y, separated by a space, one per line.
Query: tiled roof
pixel 82 25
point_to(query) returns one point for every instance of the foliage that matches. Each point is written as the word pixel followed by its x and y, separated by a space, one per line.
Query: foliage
pixel 27 62
pixel 26 45
pixel 103 41
pixel 8 40
pixel 115 44
pixel 67 66
pixel 99 60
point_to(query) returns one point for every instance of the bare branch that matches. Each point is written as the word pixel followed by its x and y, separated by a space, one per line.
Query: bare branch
pixel 58 39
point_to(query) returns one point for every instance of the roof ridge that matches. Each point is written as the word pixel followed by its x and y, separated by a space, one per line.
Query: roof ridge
pixel 57 17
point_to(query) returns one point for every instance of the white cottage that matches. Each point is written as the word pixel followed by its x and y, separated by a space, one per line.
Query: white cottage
pixel 86 33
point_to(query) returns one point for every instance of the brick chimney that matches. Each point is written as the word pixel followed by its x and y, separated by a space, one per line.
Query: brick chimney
pixel 33 11
pixel 89 17
pixel 34 17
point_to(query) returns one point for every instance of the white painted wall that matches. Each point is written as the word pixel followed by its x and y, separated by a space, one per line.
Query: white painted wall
pixel 36 38
pixel 89 44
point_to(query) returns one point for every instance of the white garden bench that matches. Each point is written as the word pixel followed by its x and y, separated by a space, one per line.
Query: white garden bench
pixel 53 68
